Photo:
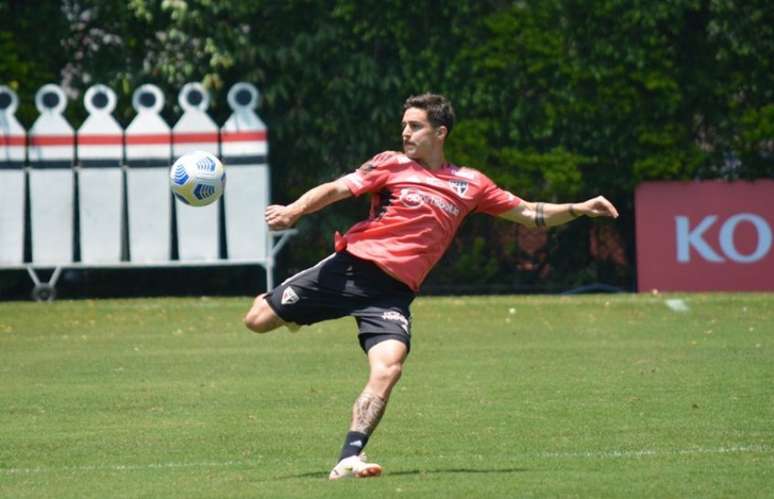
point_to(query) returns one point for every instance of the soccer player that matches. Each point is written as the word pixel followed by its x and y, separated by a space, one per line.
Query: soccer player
pixel 418 201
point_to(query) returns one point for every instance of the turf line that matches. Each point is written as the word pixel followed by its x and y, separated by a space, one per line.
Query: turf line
pixel 623 454
pixel 610 454
pixel 126 467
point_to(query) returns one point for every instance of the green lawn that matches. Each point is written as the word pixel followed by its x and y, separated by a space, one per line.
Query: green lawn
pixel 507 396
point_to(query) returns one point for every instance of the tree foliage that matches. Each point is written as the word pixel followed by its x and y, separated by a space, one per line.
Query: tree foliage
pixel 556 99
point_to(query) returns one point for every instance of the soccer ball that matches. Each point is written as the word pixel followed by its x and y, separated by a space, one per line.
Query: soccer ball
pixel 197 178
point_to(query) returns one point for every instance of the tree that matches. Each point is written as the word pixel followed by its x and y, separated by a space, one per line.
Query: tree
pixel 556 99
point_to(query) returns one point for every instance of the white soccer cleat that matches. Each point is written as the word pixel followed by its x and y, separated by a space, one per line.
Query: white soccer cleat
pixel 355 466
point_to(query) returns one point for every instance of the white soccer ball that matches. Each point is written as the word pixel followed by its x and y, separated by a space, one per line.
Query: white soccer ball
pixel 197 178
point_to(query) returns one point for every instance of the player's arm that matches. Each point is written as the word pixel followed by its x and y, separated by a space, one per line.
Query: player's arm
pixel 282 217
pixel 536 214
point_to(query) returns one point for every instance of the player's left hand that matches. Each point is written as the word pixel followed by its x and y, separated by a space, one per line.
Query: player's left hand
pixel 597 207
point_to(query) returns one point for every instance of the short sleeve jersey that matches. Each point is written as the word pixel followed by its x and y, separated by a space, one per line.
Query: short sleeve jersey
pixel 415 212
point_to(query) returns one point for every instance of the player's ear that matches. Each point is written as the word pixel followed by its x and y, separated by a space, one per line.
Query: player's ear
pixel 441 132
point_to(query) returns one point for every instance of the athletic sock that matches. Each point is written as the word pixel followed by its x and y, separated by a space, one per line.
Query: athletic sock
pixel 353 444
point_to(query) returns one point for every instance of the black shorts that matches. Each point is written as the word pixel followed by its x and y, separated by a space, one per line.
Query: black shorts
pixel 342 285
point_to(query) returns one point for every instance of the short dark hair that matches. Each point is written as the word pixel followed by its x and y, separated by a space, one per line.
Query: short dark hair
pixel 438 108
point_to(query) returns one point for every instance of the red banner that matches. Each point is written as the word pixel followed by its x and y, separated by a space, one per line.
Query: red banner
pixel 705 236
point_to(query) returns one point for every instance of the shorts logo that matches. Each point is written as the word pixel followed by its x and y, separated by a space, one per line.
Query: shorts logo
pixel 289 296
pixel 397 317
pixel 459 186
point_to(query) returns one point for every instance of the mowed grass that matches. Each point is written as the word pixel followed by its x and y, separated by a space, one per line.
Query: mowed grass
pixel 507 396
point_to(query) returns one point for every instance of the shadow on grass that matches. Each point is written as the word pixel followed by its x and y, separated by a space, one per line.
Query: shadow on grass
pixel 457 470
pixel 324 474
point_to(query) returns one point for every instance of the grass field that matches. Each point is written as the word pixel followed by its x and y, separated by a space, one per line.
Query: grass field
pixel 585 396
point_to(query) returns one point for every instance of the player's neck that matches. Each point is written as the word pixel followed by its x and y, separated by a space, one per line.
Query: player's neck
pixel 435 162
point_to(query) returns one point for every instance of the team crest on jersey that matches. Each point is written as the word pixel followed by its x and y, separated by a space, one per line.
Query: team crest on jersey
pixel 459 186
pixel 289 296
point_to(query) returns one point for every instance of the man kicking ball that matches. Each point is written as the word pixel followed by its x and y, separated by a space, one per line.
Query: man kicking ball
pixel 418 201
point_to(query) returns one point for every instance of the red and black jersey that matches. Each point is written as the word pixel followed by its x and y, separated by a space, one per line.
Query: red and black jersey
pixel 415 212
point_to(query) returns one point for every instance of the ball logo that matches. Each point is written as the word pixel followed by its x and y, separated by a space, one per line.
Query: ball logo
pixel 181 177
pixel 206 164
pixel 203 191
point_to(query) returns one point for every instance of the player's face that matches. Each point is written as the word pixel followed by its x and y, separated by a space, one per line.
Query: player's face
pixel 420 140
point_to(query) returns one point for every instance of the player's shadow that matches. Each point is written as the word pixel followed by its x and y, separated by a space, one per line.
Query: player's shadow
pixel 458 471
pixel 449 471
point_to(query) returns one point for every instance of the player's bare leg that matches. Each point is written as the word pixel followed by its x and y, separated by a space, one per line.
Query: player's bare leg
pixel 386 362
pixel 261 318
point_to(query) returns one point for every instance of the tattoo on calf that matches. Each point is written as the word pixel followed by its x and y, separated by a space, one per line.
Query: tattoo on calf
pixel 367 413
pixel 540 216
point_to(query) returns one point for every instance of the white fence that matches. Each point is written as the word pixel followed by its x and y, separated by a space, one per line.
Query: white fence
pixel 125 212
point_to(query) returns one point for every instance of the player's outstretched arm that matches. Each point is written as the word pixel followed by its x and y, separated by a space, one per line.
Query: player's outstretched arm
pixel 536 214
pixel 280 217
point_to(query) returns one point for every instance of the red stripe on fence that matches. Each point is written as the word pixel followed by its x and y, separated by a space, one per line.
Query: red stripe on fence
pixel 243 136
pixel 100 140
pixel 190 137
pixel 147 139
pixel 12 140
pixel 52 140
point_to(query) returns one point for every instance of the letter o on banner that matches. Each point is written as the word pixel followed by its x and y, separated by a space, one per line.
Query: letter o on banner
pixel 727 237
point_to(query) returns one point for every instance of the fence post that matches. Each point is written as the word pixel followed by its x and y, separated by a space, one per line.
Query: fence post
pixel 13 142
pixel 198 236
pixel 100 179
pixel 51 152
pixel 149 200
pixel 245 150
